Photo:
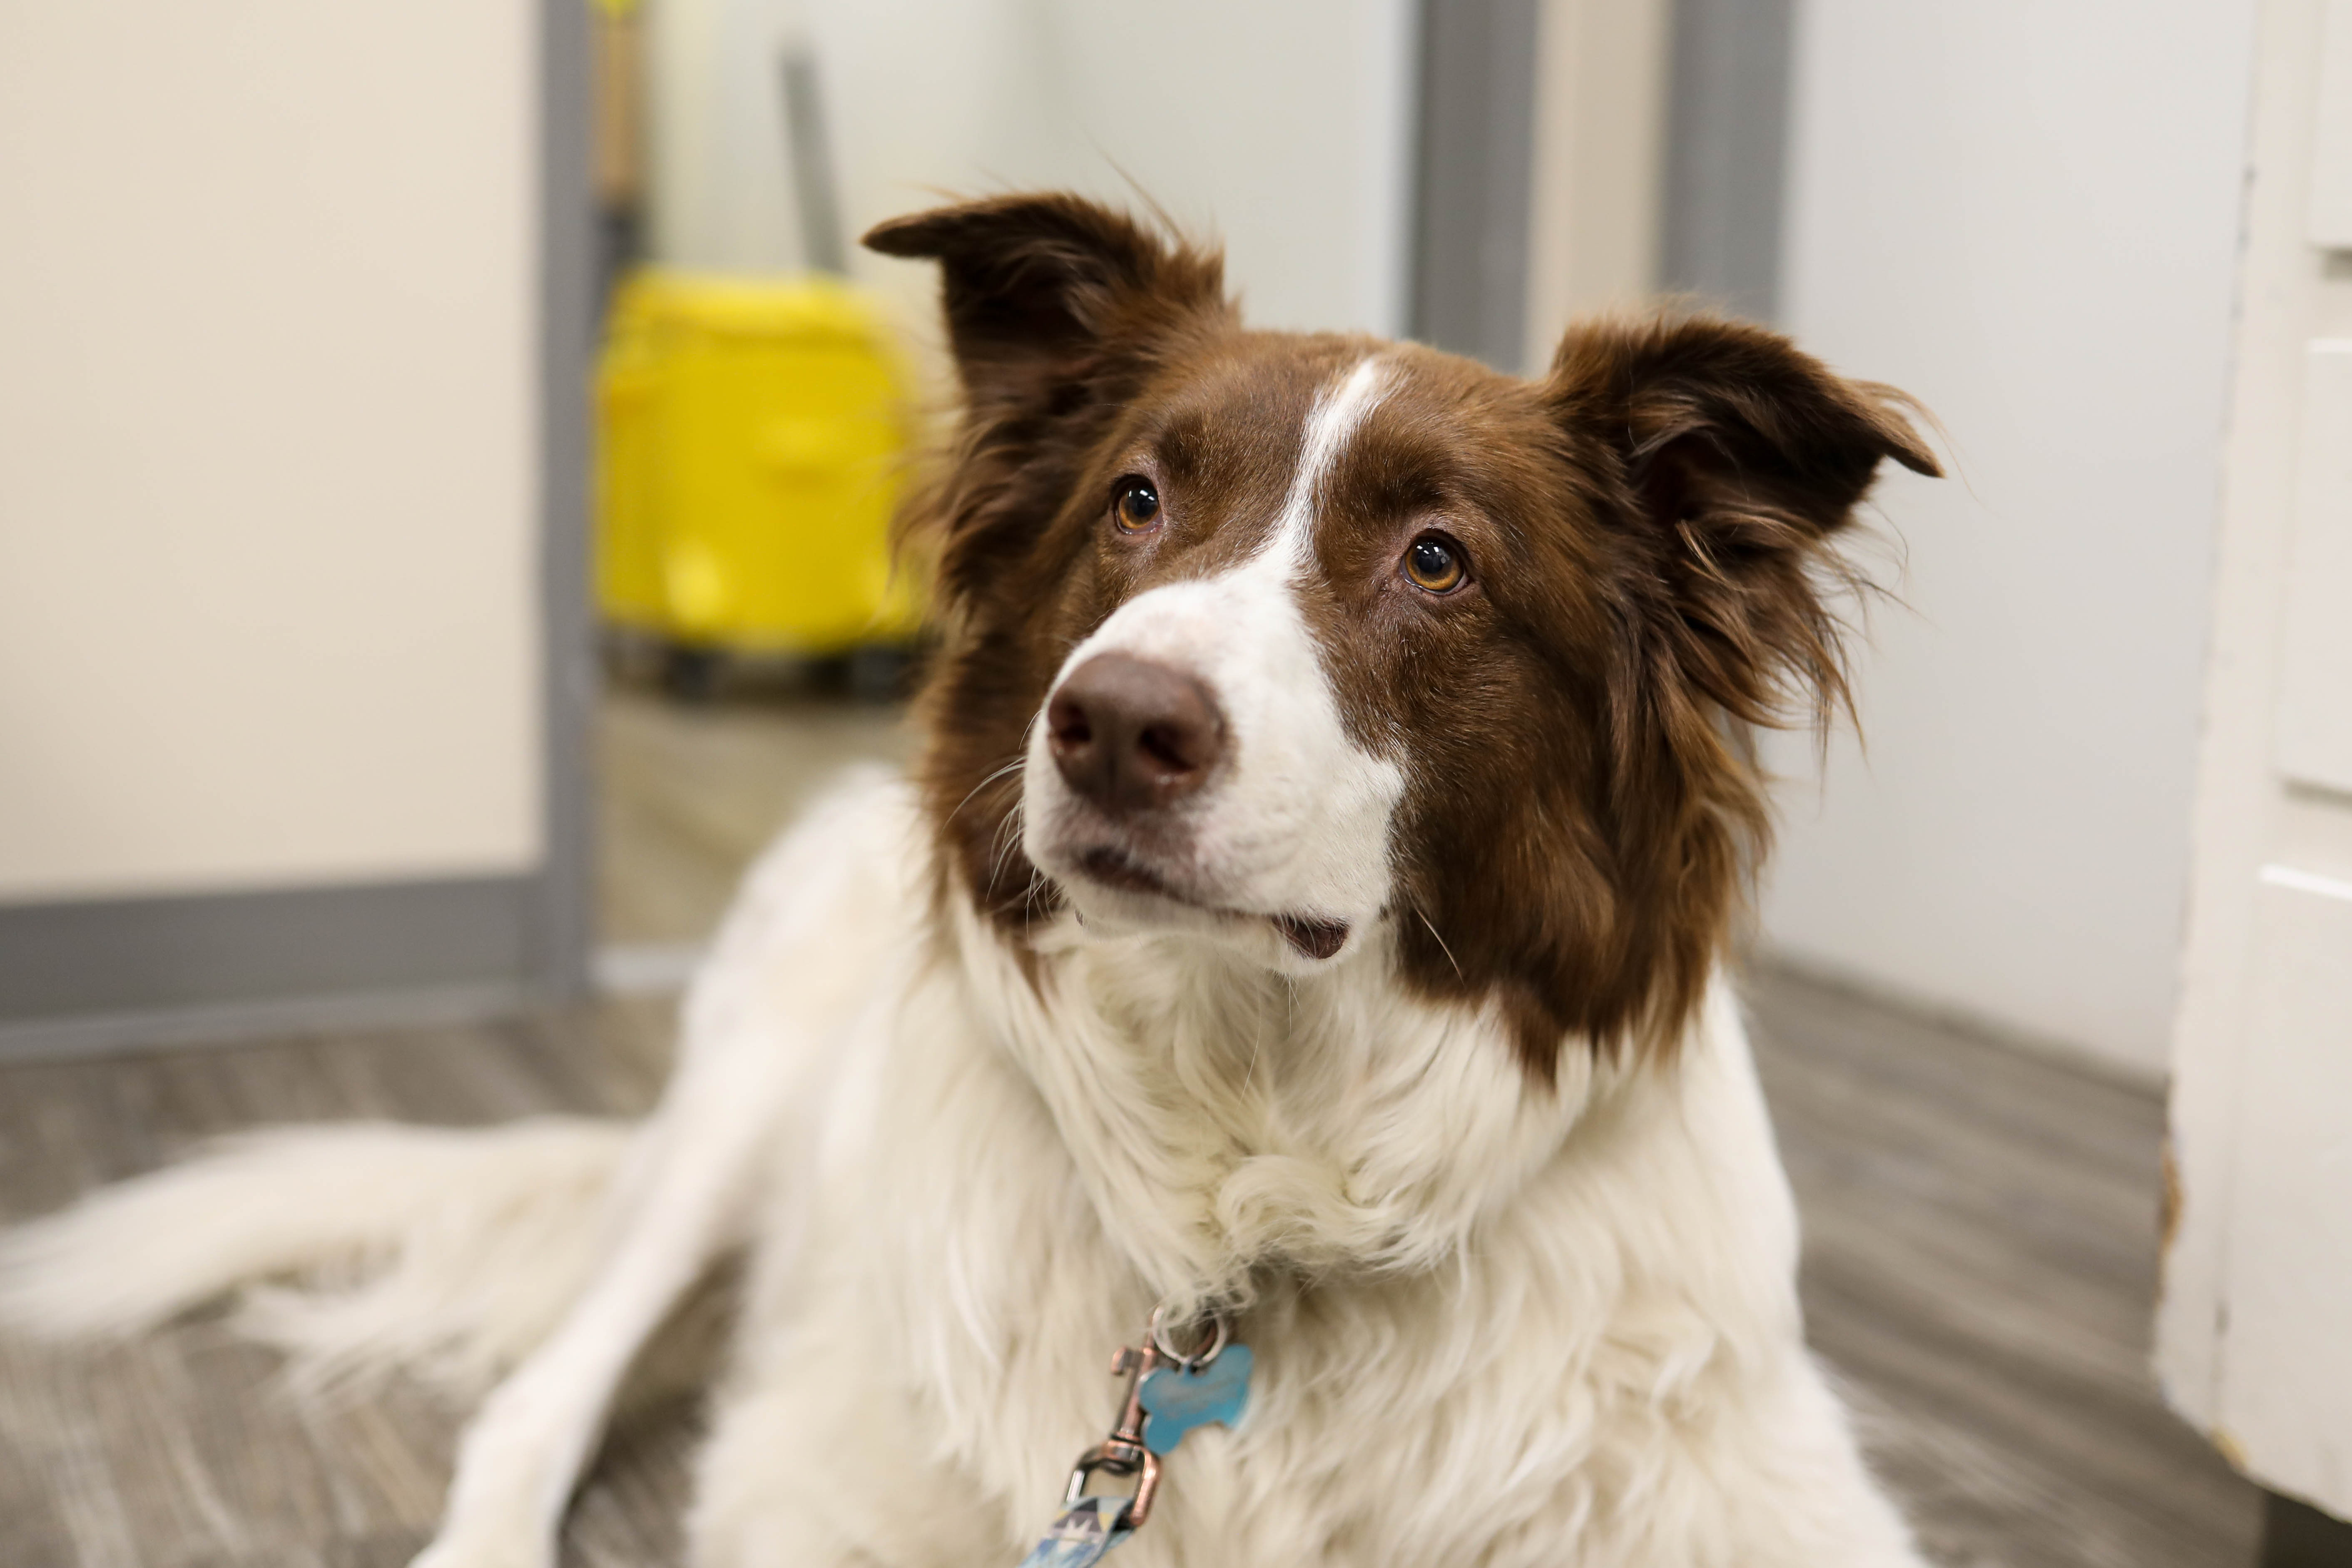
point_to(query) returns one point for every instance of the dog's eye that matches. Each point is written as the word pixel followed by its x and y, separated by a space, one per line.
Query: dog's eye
pixel 1134 505
pixel 1434 563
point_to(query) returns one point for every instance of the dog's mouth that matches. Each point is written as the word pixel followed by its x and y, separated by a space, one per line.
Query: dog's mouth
pixel 1312 936
pixel 1315 938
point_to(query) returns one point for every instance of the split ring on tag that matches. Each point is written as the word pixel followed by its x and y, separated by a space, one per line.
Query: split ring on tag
pixel 1220 1334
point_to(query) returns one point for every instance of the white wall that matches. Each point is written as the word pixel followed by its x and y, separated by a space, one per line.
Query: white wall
pixel 2026 213
pixel 1285 129
pixel 719 193
pixel 267 444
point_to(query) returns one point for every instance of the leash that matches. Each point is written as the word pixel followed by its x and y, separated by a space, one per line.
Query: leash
pixel 1169 1393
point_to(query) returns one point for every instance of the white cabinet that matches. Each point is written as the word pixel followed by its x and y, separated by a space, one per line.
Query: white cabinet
pixel 2284 1392
pixel 2330 213
pixel 2315 720
pixel 2254 1337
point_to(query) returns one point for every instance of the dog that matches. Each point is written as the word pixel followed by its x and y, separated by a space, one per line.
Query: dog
pixel 1302 932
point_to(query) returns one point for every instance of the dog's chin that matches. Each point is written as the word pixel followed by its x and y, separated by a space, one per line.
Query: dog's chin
pixel 1118 892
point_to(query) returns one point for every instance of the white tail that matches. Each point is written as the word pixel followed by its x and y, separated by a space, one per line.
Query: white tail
pixel 356 1248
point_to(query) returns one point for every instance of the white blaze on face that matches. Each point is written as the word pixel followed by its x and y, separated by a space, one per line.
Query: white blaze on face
pixel 1297 821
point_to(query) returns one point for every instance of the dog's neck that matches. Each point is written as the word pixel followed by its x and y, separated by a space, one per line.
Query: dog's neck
pixel 1226 1121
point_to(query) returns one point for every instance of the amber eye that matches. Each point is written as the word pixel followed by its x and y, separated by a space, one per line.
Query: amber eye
pixel 1434 562
pixel 1134 505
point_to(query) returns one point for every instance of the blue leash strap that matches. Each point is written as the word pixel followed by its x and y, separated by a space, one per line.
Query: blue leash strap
pixel 1087 1528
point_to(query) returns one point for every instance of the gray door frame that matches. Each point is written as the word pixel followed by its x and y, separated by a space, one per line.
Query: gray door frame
pixel 1728 152
pixel 1474 165
pixel 1719 218
pixel 564 920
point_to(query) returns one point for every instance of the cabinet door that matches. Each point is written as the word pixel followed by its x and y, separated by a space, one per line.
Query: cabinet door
pixel 2285 1362
pixel 2314 721
pixel 2254 1331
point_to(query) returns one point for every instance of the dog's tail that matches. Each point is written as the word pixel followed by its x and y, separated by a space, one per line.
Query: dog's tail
pixel 356 1248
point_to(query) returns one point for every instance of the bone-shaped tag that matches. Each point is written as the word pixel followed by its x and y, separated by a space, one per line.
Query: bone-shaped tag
pixel 1176 1400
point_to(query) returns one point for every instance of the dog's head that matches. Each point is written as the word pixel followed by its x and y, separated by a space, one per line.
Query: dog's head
pixel 1312 642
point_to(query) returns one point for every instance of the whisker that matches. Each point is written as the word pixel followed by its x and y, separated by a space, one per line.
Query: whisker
pixel 1440 944
pixel 1008 838
pixel 1029 902
pixel 1015 766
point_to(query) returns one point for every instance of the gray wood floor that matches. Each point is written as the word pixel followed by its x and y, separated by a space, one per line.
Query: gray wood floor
pixel 1980 1261
pixel 686 793
pixel 186 1450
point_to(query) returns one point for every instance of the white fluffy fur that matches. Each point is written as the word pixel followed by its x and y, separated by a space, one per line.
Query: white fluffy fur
pixel 1510 1328
pixel 1494 1324
pixel 410 1218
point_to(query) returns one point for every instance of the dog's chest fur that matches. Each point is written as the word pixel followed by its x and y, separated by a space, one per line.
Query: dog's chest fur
pixel 1487 1324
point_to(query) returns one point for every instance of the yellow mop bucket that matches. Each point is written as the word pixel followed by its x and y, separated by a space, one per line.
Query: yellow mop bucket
pixel 752 436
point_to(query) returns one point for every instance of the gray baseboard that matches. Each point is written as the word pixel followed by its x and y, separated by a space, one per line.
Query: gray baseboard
pixel 88 975
pixel 563 920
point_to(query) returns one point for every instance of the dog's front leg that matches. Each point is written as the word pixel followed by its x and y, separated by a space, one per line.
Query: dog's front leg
pixel 679 1207
pixel 799 958
pixel 682 1200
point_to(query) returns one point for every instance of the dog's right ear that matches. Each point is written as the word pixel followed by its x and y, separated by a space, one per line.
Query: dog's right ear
pixel 1046 294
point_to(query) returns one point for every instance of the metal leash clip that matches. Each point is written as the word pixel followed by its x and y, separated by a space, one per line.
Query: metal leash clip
pixel 1090 1526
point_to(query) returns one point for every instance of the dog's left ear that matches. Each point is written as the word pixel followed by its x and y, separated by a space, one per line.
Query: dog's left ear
pixel 1044 292
pixel 1735 458
pixel 1058 309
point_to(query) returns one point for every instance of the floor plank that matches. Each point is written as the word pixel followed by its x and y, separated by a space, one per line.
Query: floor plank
pixel 1980 1264
pixel 189 1449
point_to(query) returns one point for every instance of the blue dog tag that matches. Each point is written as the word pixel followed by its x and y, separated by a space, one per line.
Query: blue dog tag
pixel 1176 1400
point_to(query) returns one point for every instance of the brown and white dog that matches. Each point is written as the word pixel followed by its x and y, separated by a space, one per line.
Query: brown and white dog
pixel 1308 909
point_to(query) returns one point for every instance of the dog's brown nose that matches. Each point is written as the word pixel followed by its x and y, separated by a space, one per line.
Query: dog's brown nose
pixel 1130 734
